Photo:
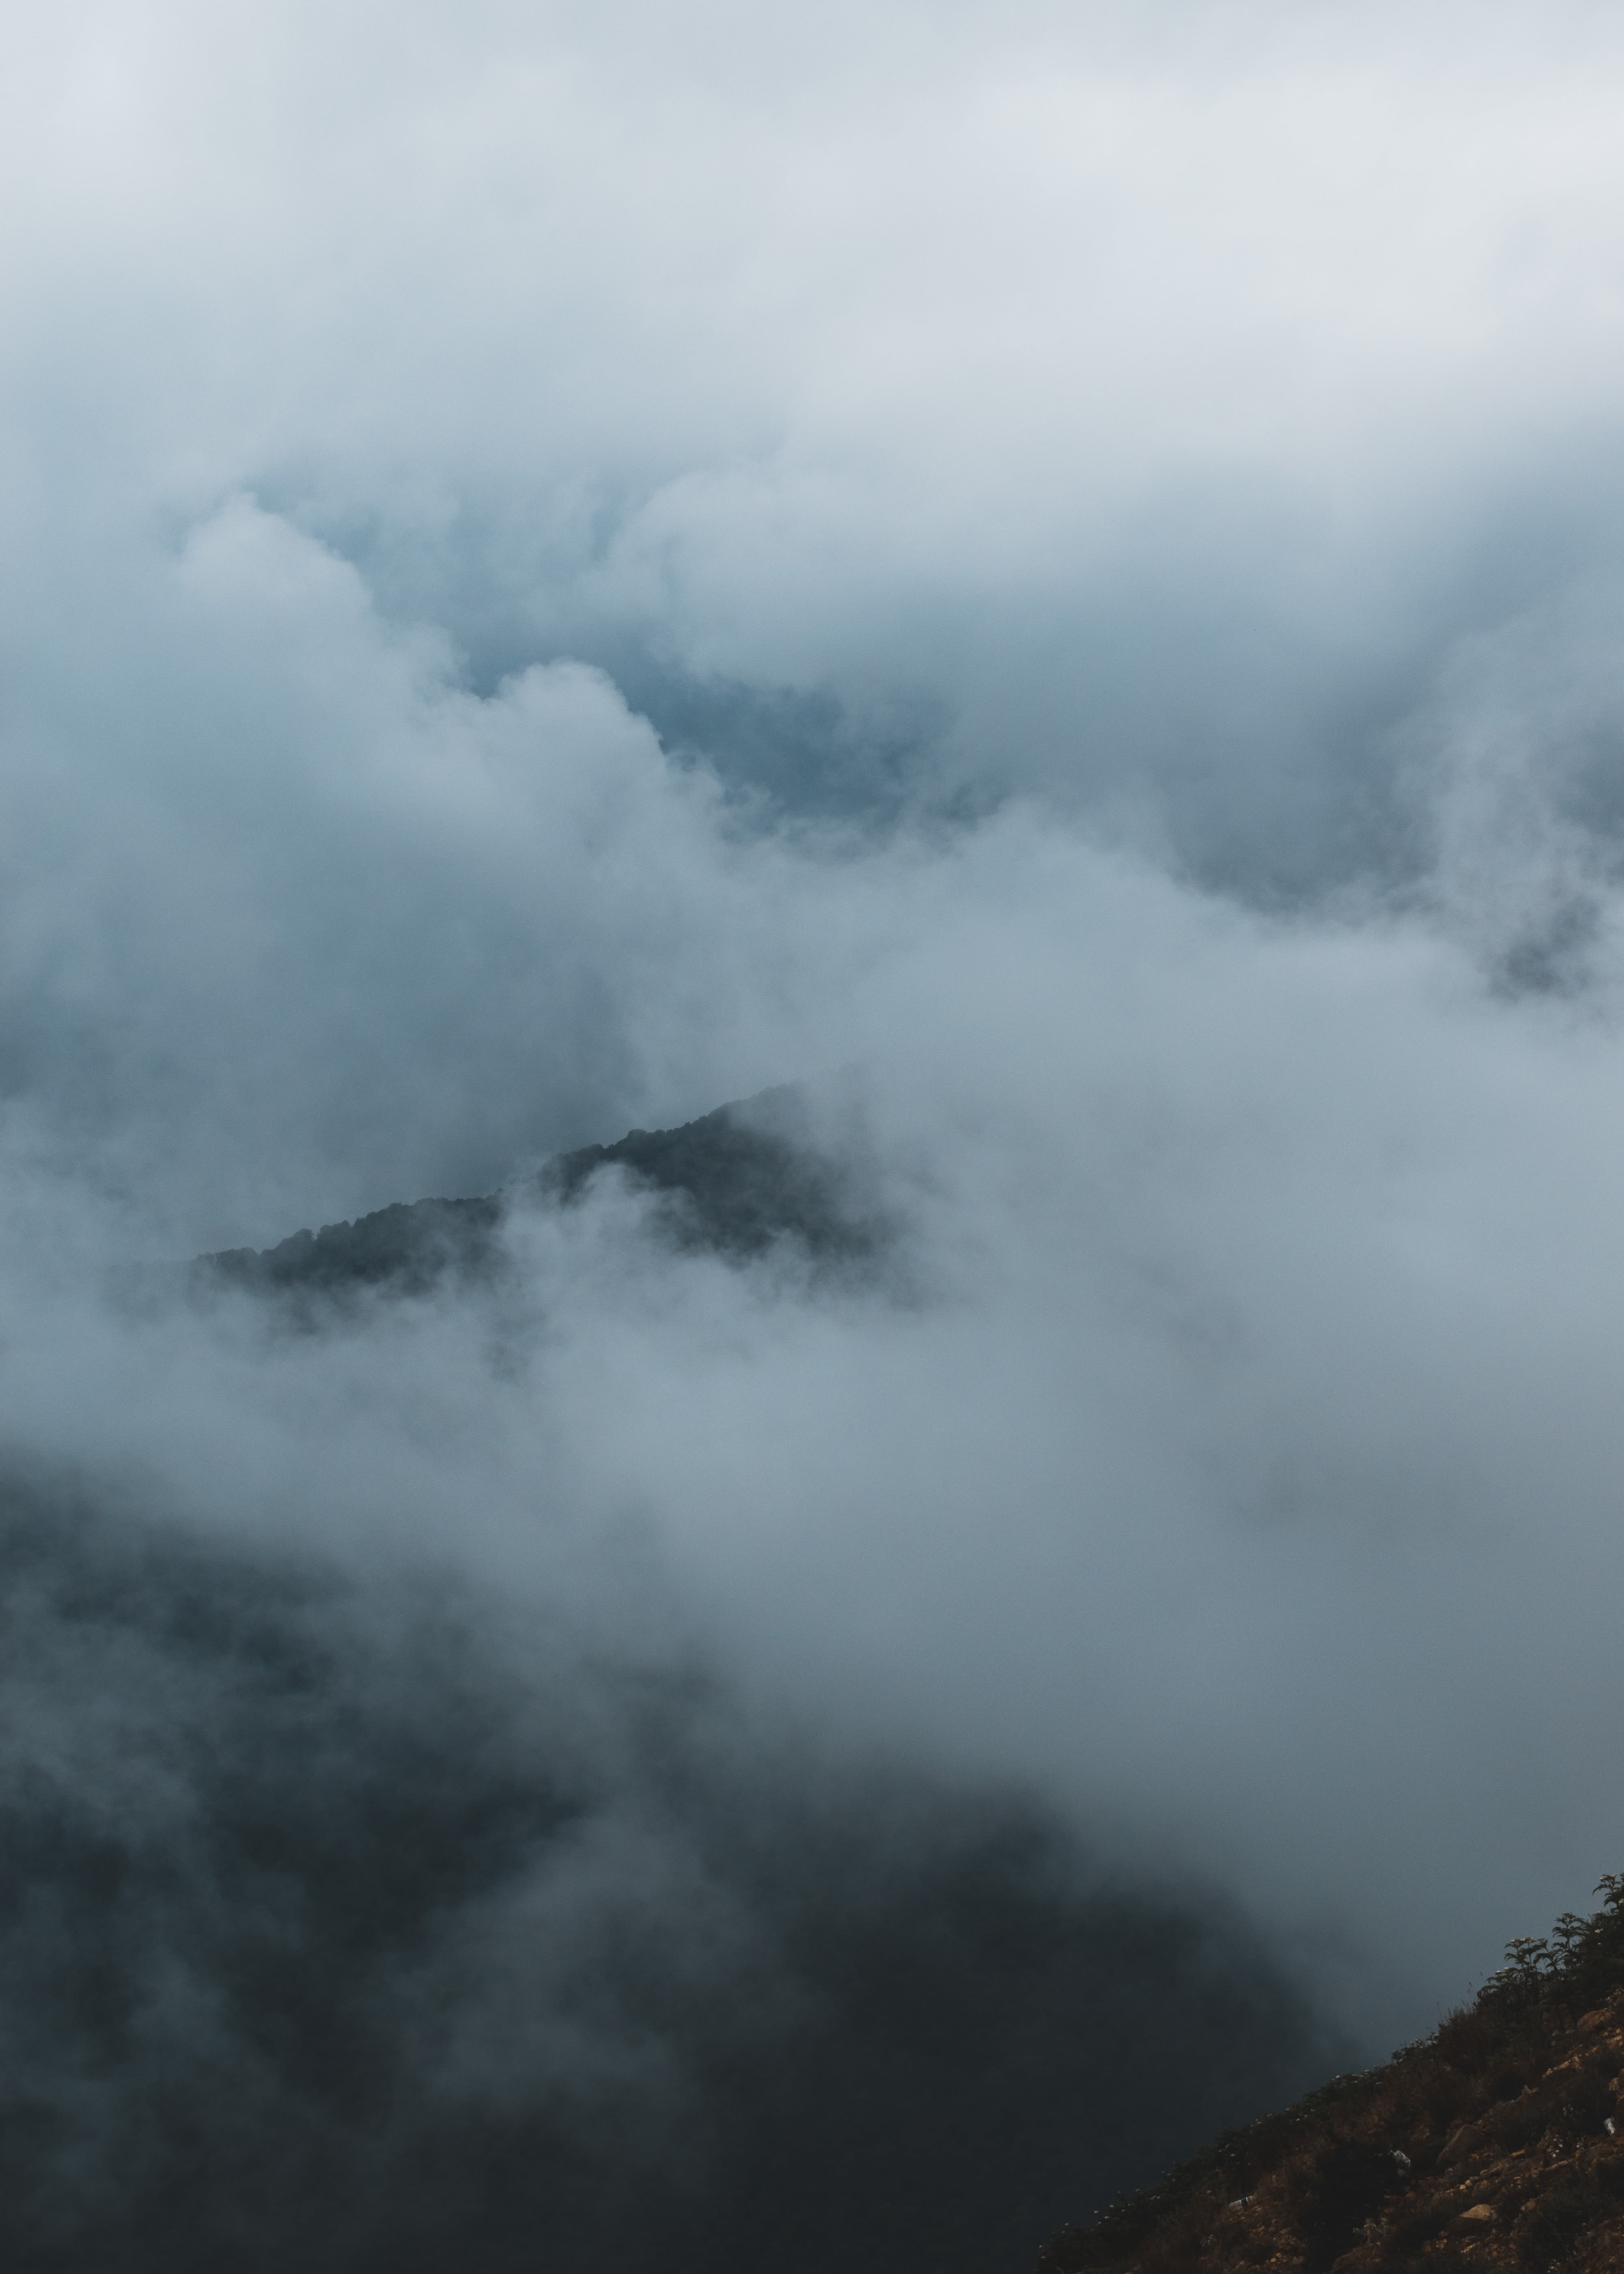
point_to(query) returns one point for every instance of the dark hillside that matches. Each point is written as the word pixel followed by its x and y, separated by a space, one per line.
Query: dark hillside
pixel 408 1245
pixel 738 1180
pixel 1498 2141
pixel 343 1930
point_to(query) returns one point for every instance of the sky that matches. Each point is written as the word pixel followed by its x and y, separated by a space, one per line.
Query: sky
pixel 1051 572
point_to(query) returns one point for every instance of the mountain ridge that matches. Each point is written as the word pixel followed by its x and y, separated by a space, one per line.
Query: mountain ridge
pixel 740 1180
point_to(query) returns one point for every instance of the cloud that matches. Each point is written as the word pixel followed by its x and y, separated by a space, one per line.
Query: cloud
pixel 1232 1457
pixel 1053 578
pixel 1147 395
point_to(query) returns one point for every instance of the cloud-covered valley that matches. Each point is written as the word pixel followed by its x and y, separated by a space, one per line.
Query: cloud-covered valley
pixel 1051 580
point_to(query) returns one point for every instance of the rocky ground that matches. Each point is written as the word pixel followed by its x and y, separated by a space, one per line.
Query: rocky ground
pixel 1498 2142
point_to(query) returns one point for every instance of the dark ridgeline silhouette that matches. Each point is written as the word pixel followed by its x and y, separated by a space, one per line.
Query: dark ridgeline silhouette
pixel 740 1180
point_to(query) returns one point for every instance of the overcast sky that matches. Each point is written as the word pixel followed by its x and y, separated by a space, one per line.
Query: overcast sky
pixel 566 564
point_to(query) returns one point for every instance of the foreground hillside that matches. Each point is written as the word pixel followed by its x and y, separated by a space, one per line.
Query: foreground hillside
pixel 1498 2141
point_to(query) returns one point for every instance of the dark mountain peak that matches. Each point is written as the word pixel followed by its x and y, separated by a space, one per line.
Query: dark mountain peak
pixel 740 1180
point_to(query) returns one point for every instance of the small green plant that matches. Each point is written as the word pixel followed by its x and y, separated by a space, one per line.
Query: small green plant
pixel 1577 1951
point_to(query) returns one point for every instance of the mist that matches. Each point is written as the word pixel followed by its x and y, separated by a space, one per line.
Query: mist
pixel 1050 582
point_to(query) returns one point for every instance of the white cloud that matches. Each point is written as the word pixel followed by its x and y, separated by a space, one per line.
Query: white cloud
pixel 1209 413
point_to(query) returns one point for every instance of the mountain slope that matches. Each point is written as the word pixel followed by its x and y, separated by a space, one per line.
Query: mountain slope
pixel 1498 2141
pixel 738 1180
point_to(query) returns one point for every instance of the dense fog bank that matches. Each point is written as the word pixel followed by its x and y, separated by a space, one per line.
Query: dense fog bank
pixel 361 1923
